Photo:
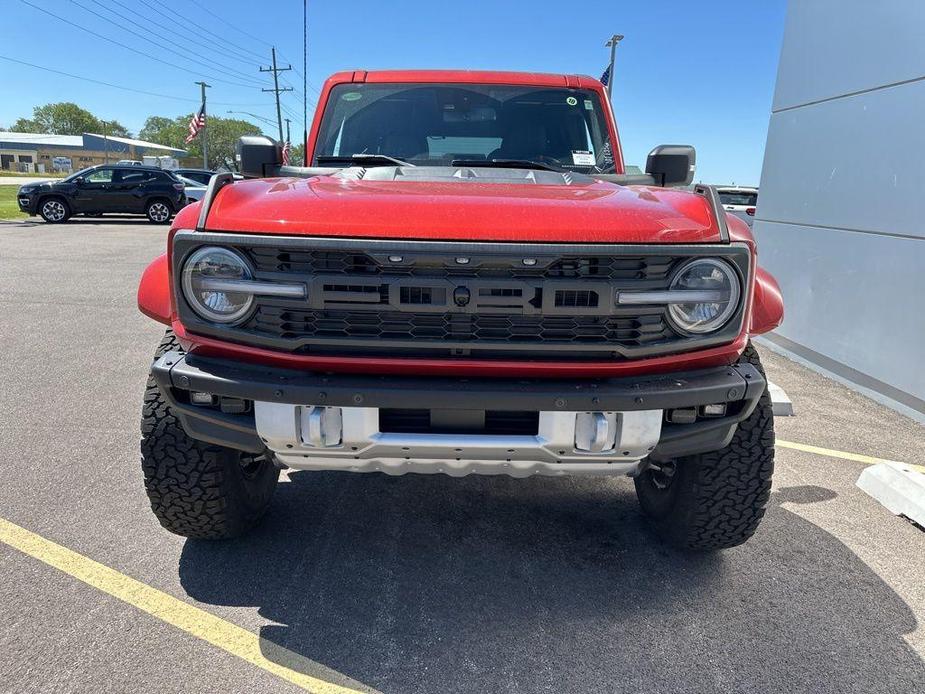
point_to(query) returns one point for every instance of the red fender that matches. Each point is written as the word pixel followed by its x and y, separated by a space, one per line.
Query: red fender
pixel 768 304
pixel 154 291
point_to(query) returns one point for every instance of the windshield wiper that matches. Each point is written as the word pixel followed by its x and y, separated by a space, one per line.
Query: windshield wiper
pixel 505 164
pixel 364 159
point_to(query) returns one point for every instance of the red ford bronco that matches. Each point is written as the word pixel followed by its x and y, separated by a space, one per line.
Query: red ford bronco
pixel 463 279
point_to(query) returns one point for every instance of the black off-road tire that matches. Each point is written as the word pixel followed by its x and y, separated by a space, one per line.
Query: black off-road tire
pixel 54 209
pixel 715 500
pixel 197 489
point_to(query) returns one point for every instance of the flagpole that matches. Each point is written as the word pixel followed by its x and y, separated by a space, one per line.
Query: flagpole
pixel 612 43
pixel 304 82
pixel 203 131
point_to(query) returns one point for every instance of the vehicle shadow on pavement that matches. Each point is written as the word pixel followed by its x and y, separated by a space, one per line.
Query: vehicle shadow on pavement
pixel 433 584
pixel 82 221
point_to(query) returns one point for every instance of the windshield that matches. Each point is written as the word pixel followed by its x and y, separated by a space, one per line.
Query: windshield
pixel 74 175
pixel 434 124
pixel 738 197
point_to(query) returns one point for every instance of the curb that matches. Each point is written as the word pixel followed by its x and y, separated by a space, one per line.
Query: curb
pixel 781 404
pixel 898 487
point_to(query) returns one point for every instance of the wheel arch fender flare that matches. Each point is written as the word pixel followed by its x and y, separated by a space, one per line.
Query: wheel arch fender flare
pixel 767 305
pixel 154 290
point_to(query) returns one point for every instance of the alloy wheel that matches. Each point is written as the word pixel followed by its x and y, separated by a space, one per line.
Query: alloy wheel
pixel 53 210
pixel 159 212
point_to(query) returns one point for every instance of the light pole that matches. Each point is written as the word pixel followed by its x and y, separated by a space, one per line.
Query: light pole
pixel 612 44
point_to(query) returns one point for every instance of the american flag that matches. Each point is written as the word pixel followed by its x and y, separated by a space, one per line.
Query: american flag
pixel 196 123
pixel 286 148
pixel 605 78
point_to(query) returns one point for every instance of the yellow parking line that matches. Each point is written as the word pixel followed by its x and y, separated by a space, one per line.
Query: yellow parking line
pixel 856 457
pixel 199 623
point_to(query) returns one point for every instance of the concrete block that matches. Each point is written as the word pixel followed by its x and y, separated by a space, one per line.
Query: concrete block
pixel 781 404
pixel 900 488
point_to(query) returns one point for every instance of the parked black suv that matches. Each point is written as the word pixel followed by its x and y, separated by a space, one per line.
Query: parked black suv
pixel 144 190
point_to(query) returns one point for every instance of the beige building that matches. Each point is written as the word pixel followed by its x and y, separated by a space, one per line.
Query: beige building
pixel 41 153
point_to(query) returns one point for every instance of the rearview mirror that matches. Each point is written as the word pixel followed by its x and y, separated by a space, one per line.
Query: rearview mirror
pixel 257 155
pixel 672 165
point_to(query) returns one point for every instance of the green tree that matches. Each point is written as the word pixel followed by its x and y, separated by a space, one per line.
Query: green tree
pixel 67 118
pixel 164 131
pixel 297 155
pixel 223 133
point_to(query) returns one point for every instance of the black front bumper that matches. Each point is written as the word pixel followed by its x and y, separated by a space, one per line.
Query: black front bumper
pixel 27 203
pixel 739 386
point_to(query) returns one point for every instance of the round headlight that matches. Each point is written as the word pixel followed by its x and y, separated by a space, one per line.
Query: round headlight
pixel 715 290
pixel 203 276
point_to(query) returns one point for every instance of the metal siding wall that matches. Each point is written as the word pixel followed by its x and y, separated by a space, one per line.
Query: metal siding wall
pixel 837 47
pixel 92 142
pixel 839 219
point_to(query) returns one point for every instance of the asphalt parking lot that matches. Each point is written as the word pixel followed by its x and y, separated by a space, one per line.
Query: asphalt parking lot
pixel 415 583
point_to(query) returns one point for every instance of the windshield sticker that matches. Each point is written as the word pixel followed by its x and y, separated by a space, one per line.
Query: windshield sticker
pixel 589 106
pixel 583 158
pixel 352 96
pixel 571 101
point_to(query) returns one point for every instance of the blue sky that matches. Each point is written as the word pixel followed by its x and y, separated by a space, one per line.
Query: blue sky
pixel 691 73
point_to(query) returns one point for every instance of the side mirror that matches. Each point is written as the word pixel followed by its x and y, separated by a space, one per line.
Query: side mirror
pixel 672 165
pixel 79 181
pixel 257 155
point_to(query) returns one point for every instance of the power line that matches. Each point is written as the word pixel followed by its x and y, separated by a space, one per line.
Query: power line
pixel 119 86
pixel 196 58
pixel 250 36
pixel 254 115
pixel 227 23
pixel 221 52
pixel 198 39
pixel 220 38
pixel 127 47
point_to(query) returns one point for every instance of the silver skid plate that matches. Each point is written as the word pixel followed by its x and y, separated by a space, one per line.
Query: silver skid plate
pixel 349 438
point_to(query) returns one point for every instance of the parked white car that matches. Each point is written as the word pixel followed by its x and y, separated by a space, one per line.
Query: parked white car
pixel 740 201
pixel 194 189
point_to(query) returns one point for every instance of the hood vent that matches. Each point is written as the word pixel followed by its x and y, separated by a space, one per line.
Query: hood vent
pixel 464 174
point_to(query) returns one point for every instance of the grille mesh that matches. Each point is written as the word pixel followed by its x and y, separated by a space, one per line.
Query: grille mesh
pixel 346 263
pixel 366 320
pixel 292 324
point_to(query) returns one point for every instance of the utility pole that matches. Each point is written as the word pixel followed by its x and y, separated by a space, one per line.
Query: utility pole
pixel 204 132
pixel 105 139
pixel 287 130
pixel 612 44
pixel 276 89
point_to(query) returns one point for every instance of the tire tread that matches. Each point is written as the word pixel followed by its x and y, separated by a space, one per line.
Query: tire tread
pixel 185 479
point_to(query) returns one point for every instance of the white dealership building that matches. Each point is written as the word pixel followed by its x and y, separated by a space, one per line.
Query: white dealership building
pixel 842 203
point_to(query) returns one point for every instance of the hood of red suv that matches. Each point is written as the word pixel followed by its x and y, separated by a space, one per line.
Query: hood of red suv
pixel 536 206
